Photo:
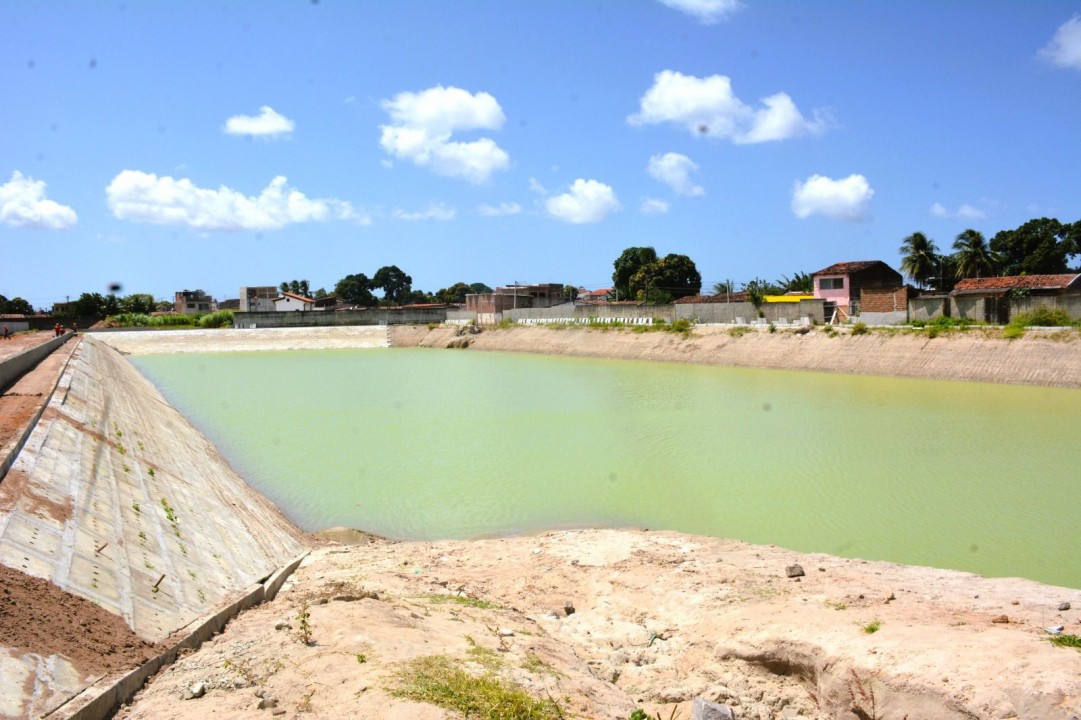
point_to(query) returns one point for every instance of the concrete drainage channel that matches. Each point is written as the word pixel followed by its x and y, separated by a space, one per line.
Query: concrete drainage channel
pixel 101 699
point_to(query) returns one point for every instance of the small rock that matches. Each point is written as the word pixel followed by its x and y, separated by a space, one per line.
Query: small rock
pixel 320 601
pixel 568 608
pixel 278 711
pixel 702 709
pixel 890 597
pixel 1000 619
pixel 794 571
pixel 551 616
pixel 1056 629
pixel 282 625
pixel 1063 606
pixel 1015 602
pixel 506 632
pixel 196 690
pixel 574 562
pixel 268 702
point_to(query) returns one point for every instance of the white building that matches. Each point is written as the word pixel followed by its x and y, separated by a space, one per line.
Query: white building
pixel 288 301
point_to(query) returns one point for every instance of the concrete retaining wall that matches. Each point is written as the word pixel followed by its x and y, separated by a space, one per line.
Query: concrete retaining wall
pixel 14 368
pixel 623 312
pixel 884 318
pixel 320 318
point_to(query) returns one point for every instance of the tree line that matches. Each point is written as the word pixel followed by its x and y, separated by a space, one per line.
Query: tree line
pixel 397 287
pixel 1041 246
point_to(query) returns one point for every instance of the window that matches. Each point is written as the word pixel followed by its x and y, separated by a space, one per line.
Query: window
pixel 831 283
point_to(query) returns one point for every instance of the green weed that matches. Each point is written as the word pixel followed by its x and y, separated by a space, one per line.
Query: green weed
pixel 872 627
pixel 1072 641
pixel 435 679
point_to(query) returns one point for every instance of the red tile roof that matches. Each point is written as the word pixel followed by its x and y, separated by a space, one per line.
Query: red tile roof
pixel 1016 282
pixel 848 268
pixel 736 297
pixel 296 297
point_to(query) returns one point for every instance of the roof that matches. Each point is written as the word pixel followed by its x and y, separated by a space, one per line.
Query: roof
pixel 1016 282
pixel 850 268
pixel 301 298
pixel 595 294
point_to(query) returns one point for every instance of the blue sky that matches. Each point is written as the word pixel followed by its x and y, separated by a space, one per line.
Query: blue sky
pixel 168 146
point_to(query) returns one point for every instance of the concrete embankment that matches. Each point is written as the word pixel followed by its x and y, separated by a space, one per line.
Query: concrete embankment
pixel 152 342
pixel 1051 359
pixel 116 498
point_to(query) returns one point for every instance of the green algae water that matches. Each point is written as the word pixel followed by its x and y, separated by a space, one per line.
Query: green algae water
pixel 425 444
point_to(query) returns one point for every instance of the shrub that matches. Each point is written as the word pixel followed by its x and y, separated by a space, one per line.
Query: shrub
pixel 772 328
pixel 221 318
pixel 1042 316
pixel 1013 332
pixel 860 329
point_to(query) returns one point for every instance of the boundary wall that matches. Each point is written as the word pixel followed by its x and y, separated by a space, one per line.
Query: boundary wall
pixel 325 318
pixel 14 368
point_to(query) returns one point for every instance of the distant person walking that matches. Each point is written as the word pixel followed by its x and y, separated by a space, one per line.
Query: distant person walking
pixel 57 330
pixel 74 329
pixel 7 333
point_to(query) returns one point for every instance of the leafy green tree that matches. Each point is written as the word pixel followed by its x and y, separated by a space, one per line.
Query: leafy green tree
pixel 320 293
pixel 570 292
pixel 138 303
pixel 16 305
pixel 627 265
pixel 355 290
pixel 394 283
pixel 973 257
pixel 90 304
pixel 454 294
pixel 669 278
pixel 297 287
pixel 799 282
pixel 416 297
pixel 919 258
pixel 479 288
pixel 1039 247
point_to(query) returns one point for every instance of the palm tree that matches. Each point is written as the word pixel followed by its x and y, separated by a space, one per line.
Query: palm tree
pixel 919 258
pixel 974 257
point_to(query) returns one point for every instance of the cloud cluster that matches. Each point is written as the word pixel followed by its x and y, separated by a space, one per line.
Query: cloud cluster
pixel 653 206
pixel 964 212
pixel 845 199
pixel 423 125
pixel 23 204
pixel 707 107
pixel 674 170
pixel 587 201
pixel 435 211
pixel 267 123
pixel 145 197
pixel 506 208
pixel 706 12
pixel 1064 49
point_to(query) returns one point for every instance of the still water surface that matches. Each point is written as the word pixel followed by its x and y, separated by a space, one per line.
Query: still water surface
pixel 428 444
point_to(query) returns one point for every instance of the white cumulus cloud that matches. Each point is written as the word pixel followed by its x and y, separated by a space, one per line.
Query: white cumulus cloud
pixel 845 199
pixel 587 201
pixel 267 123
pixel 674 170
pixel 145 197
pixel 1064 49
pixel 707 107
pixel 506 208
pixel 706 12
pixel 23 204
pixel 435 211
pixel 653 206
pixel 423 124
pixel 963 212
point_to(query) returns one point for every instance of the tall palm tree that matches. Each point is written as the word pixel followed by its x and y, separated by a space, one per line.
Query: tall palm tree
pixel 919 258
pixel 974 257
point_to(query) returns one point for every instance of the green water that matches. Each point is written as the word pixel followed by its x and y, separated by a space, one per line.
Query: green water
pixel 429 444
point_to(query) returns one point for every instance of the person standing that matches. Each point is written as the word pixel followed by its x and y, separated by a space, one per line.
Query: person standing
pixel 7 333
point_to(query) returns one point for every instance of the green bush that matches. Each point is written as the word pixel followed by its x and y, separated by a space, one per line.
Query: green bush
pixel 221 318
pixel 129 320
pixel 1042 316
pixel 1013 332
pixel 861 329
pixel 173 320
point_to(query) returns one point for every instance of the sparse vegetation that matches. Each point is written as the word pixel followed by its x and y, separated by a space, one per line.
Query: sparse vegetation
pixel 739 331
pixel 304 624
pixel 872 627
pixel 435 679
pixel 1067 640
pixel 461 600
pixel 861 329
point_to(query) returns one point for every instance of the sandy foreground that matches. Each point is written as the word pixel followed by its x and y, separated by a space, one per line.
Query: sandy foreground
pixel 606 621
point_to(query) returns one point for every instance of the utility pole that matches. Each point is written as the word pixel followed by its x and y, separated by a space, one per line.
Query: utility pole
pixel 515 294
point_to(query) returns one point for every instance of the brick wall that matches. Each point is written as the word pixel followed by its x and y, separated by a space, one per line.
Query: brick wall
pixel 883 301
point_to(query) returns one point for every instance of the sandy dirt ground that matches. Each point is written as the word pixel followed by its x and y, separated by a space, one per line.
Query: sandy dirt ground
pixel 22 400
pixel 606 621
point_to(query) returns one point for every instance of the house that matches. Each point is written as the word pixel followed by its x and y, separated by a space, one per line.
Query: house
pixel 541 295
pixel 586 297
pixel 995 299
pixel 288 301
pixel 193 302
pixel 258 298
pixel 840 286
